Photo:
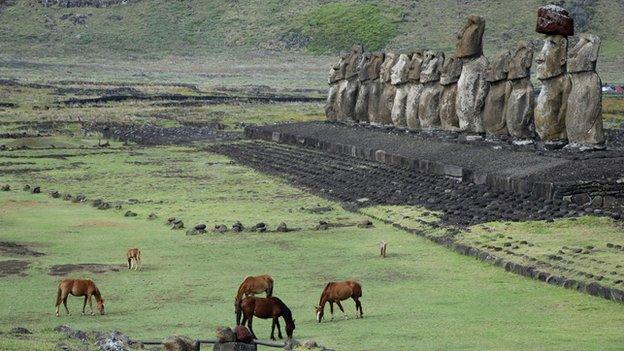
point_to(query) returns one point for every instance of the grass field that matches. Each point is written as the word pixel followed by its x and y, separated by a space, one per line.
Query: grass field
pixel 422 296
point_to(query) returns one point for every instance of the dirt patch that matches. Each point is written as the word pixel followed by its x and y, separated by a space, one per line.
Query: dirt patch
pixel 13 267
pixel 13 248
pixel 96 268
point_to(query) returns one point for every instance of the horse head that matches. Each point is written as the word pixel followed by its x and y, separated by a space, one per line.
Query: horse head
pixel 290 327
pixel 100 306
pixel 319 313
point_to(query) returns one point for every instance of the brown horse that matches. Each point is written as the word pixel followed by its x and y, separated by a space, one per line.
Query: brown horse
pixel 134 256
pixel 336 292
pixel 79 287
pixel 265 308
pixel 251 286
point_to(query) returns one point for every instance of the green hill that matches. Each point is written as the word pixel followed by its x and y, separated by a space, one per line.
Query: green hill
pixel 153 28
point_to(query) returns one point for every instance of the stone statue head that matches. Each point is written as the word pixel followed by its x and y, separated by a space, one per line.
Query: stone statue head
pixel 521 60
pixel 551 61
pixel 431 66
pixel 363 67
pixel 470 37
pixel 375 64
pixel 584 54
pixel 498 67
pixel 413 72
pixel 386 67
pixel 354 59
pixel 336 72
pixel 451 70
pixel 399 70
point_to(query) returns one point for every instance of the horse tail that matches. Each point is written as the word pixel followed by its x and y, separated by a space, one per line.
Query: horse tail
pixel 58 296
pixel 270 288
pixel 357 289
pixel 239 311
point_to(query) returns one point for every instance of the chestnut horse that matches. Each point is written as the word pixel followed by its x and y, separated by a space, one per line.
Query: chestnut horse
pixel 336 292
pixel 251 286
pixel 265 308
pixel 79 287
pixel 134 255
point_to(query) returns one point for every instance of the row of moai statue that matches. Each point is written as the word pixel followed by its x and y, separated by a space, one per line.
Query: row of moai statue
pixel 466 92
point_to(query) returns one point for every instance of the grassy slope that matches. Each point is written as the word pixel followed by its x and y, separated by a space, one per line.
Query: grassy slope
pixel 157 28
pixel 422 296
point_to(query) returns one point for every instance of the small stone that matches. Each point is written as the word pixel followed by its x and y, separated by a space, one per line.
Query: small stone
pixel 282 228
pixel 152 216
pixel 365 223
pixel 225 334
pixel 237 227
pixel 177 224
pixel 26 187
pixel 260 227
pixel 243 334
pixel 104 206
pixel 220 228
pixel 179 343
pixel 200 226
pixel 55 194
pixel 309 344
pixel 36 190
pixel 20 330
pixel 322 225
pixel 6 187
pixel 118 207
pixel 67 197
pixel 130 214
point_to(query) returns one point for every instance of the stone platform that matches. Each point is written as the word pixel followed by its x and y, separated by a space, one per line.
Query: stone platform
pixel 595 177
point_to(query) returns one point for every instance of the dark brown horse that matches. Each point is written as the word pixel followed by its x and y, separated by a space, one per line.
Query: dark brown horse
pixel 252 286
pixel 79 287
pixel 336 292
pixel 265 308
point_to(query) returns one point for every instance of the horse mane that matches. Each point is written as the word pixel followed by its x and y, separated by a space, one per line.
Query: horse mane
pixel 96 293
pixel 324 292
pixel 286 313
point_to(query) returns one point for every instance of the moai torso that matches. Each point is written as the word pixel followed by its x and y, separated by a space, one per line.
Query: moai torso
pixel 448 79
pixel 584 109
pixel 336 75
pixel 493 112
pixel 520 96
pixel 471 87
pixel 414 91
pixel 388 90
pixel 429 104
pixel 375 89
pixel 399 80
pixel 349 93
pixel 550 108
pixel 361 104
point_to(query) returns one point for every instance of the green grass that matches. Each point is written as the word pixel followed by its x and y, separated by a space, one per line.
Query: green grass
pixel 422 296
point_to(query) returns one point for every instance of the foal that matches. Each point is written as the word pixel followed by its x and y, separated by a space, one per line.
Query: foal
pixel 79 287
pixel 134 256
pixel 336 292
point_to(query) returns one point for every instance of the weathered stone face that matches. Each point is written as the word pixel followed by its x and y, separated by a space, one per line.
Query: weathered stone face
pixel 353 61
pixel 374 67
pixel 552 59
pixel 451 70
pixel 400 103
pixel 554 20
pixel 519 108
pixel 374 96
pixel 363 67
pixel 429 106
pixel 550 109
pixel 336 72
pixel 400 69
pixel 521 60
pixel 386 67
pixel 330 104
pixel 469 37
pixel 472 89
pixel 386 103
pixel 493 111
pixel 411 108
pixel 431 66
pixel 584 54
pixel 498 67
pixel 413 74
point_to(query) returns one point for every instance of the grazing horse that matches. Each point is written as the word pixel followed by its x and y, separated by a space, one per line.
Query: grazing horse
pixel 134 256
pixel 251 286
pixel 79 287
pixel 265 308
pixel 336 292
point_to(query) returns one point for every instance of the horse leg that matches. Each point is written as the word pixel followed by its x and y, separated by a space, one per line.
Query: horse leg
pixel 91 304
pixel 250 328
pixel 58 300
pixel 139 261
pixel 65 303
pixel 84 305
pixel 358 304
pixel 342 309
pixel 331 309
pixel 279 329
pixel 273 329
pixel 129 262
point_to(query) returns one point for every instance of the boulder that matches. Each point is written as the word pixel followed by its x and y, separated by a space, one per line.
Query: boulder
pixel 177 224
pixel 55 194
pixel 152 216
pixel 179 343
pixel 20 330
pixel 237 227
pixel 554 20
pixel 36 190
pixel 225 334
pixel 130 214
pixel 114 341
pixel 243 334
pixel 104 206
pixel 220 228
pixel 365 223
pixel 6 187
pixel 260 227
pixel 281 228
pixel 200 226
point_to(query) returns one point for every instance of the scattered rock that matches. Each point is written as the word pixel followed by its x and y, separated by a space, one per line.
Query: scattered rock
pixel 243 334
pixel 118 206
pixel 170 220
pixel 225 334
pixel 104 206
pixel 322 225
pixel 20 330
pixel 26 187
pixel 67 197
pixel 152 216
pixel 179 343
pixel 71 333
pixel 238 227
pixel 6 187
pixel 55 194
pixel 309 344
pixel 36 190
pixel 260 227
pixel 282 228
pixel 220 228
pixel 130 214
pixel 177 224
pixel 79 198
pixel 114 341
pixel 365 223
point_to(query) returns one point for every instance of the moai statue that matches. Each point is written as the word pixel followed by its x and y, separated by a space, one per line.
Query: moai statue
pixel 414 91
pixel 520 95
pixel 472 87
pixel 429 104
pixel 349 93
pixel 399 80
pixel 584 114
pixel 387 96
pixel 493 111
pixel 361 103
pixel 336 75
pixel 374 87
pixel 448 80
pixel 550 108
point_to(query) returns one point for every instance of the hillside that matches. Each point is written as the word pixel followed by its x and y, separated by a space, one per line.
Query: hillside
pixel 151 29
